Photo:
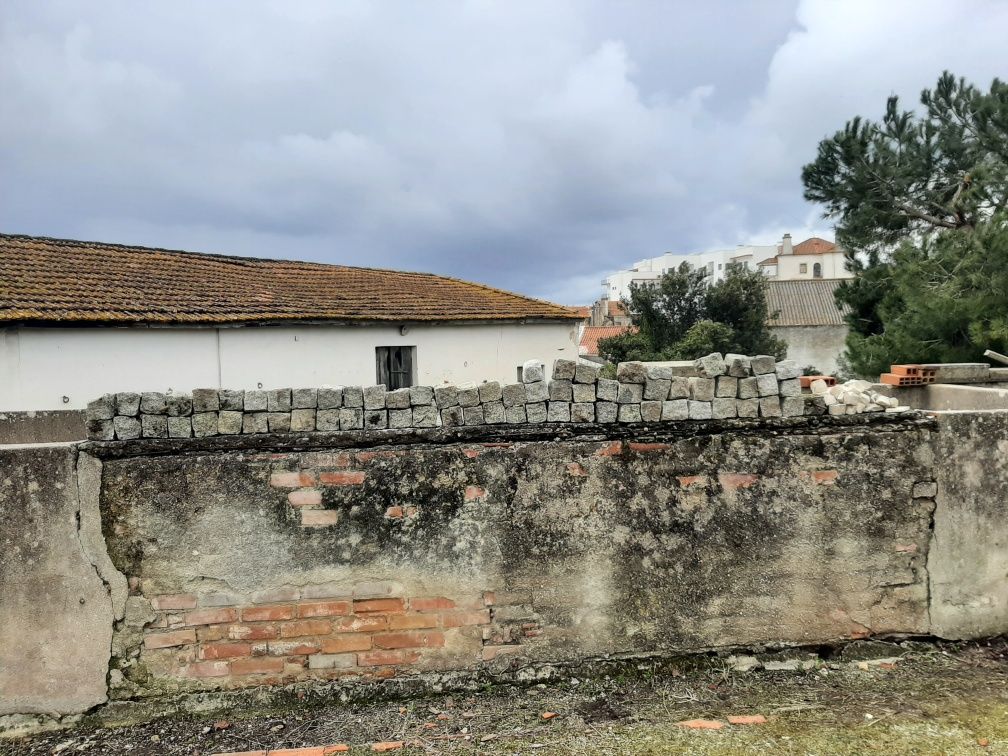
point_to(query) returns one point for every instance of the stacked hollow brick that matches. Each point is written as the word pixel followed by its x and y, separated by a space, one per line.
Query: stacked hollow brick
pixel 712 387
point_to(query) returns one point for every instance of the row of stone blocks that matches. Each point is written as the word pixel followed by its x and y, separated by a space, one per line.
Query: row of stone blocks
pixel 642 392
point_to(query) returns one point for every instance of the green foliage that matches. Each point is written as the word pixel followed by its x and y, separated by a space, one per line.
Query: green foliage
pixel 683 317
pixel 919 200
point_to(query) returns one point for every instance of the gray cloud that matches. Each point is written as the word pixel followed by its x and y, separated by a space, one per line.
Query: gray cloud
pixel 534 146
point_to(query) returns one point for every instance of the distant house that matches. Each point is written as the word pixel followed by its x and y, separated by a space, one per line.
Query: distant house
pixel 811 259
pixel 79 319
pixel 808 320
pixel 591 335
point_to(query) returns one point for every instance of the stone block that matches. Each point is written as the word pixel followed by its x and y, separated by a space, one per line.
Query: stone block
pixel 473 415
pixel 606 412
pixel 468 395
pixel 584 392
pixel 102 408
pixel 302 420
pixel 229 423
pixel 586 373
pixel 582 412
pixel 425 416
pixel 376 419
pixel 493 413
pixel 128 403
pixel 451 417
pixel 748 388
pixel 400 418
pixel 727 387
pixel 739 365
pixel 818 387
pixel 490 392
pixel 278 400
pixel 747 407
pixel 607 390
pixel 702 389
pixel 657 389
pixel 629 413
pixel 723 407
pixel 631 372
pixel 204 423
pixel 837 409
pixel 679 388
pixel 374 397
pixel 532 371
pixel 153 403
pixel 513 394
pixel 762 364
pixel 446 396
pixel 675 409
pixel 536 392
pixel 710 366
pixel 558 412
pixel 278 422
pixel 560 390
pixel 815 405
pixel 766 384
pixel 205 400
pixel 156 426
pixel 232 400
pixel 304 398
pixel 700 410
pixel 351 418
pixel 100 430
pixel 421 396
pixel 514 414
pixel 789 387
pixel 398 398
pixel 793 406
pixel 327 420
pixel 179 405
pixel 786 370
pixel 630 393
pixel 925 490
pixel 769 406
pixel 651 411
pixel 127 427
pixel 180 427
pixel 536 412
pixel 659 371
pixel 330 397
pixel 255 401
pixel 563 370
pixel 353 396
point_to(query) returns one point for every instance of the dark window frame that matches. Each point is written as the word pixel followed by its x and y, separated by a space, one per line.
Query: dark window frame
pixel 395 366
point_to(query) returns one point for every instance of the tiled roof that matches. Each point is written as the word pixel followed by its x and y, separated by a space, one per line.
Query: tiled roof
pixel 804 303
pixel 591 335
pixel 814 246
pixel 615 307
pixel 768 261
pixel 58 280
pixel 584 312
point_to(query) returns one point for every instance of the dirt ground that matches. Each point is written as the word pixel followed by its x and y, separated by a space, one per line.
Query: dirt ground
pixel 920 699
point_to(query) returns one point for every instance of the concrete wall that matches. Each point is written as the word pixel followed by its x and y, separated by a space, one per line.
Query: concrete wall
pixel 64 368
pixel 41 427
pixel 813 345
pixel 789 266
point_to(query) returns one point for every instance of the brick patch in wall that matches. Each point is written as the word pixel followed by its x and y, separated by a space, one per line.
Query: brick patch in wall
pixel 734 481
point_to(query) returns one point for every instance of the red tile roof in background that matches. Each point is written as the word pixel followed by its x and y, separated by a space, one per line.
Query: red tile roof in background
pixel 815 246
pixel 591 336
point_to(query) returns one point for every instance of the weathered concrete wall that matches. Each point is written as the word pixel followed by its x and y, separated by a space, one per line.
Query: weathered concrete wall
pixel 42 427
pixel 813 345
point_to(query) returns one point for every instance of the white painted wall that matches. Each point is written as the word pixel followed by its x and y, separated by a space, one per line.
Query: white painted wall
pixel 820 346
pixel 789 266
pixel 41 366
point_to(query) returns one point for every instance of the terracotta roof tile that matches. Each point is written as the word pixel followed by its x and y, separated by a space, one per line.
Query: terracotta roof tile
pixel 804 303
pixel 59 280
pixel 815 246
pixel 591 335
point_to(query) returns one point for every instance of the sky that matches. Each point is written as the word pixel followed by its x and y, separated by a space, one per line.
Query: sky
pixel 534 145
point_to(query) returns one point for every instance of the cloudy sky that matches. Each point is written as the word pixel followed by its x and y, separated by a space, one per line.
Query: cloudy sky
pixel 532 145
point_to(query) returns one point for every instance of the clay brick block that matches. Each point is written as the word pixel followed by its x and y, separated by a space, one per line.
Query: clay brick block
pixel 691 481
pixel 301 628
pixel 473 493
pixel 733 481
pixel 246 632
pixel 492 652
pixel 385 605
pixel 431 604
pixel 343 478
pixel 342 644
pixel 292 479
pixel 387 745
pixel 824 477
pixel 610 449
pixel 206 669
pixel 319 518
pixel 325 609
pixel 260 665
pixel 359 624
pixel 266 613
pixel 382 658
pixel 305 497
pixel 170 639
pixel 211 616
pixel 293 648
pixel 421 639
pixel 412 621
pixel 461 619
pixel 648 447
pixel 225 650
pixel 173 601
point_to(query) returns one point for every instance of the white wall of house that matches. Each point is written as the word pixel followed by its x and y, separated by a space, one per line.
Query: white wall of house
pixel 65 368
pixel 789 267
pixel 820 346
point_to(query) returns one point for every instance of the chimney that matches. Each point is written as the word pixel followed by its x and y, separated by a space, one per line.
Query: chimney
pixel 786 248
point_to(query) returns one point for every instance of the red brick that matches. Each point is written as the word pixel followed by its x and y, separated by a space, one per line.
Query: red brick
pixel 747 719
pixel 648 447
pixel 472 493
pixel 471 453
pixel 305 497
pixel 458 619
pixel 173 601
pixel 211 616
pixel 489 597
pixel 383 658
pixel 167 640
pixel 824 477
pixel 611 449
pixel 305 627
pixel 368 456
pixel 225 650
pixel 359 624
pixel 733 481
pixel 207 669
pixel 260 665
pixel 575 469
pixel 387 745
pixel 394 513
pixel 292 479
pixel 343 478
pixel 293 648
pixel 412 621
pixel 319 518
pixel 385 605
pixel 348 642
pixel 266 613
pixel 701 724
pixel 689 481
pixel 325 609
pixel 431 604
pixel 251 632
pixel 420 639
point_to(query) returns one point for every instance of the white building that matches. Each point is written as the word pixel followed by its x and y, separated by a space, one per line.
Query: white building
pixel 80 319
pixel 812 259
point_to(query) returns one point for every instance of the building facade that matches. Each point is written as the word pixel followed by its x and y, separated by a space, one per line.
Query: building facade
pixel 805 315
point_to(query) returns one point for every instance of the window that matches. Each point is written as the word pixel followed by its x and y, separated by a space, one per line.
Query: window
pixel 803 268
pixel 817 271
pixel 719 266
pixel 396 366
